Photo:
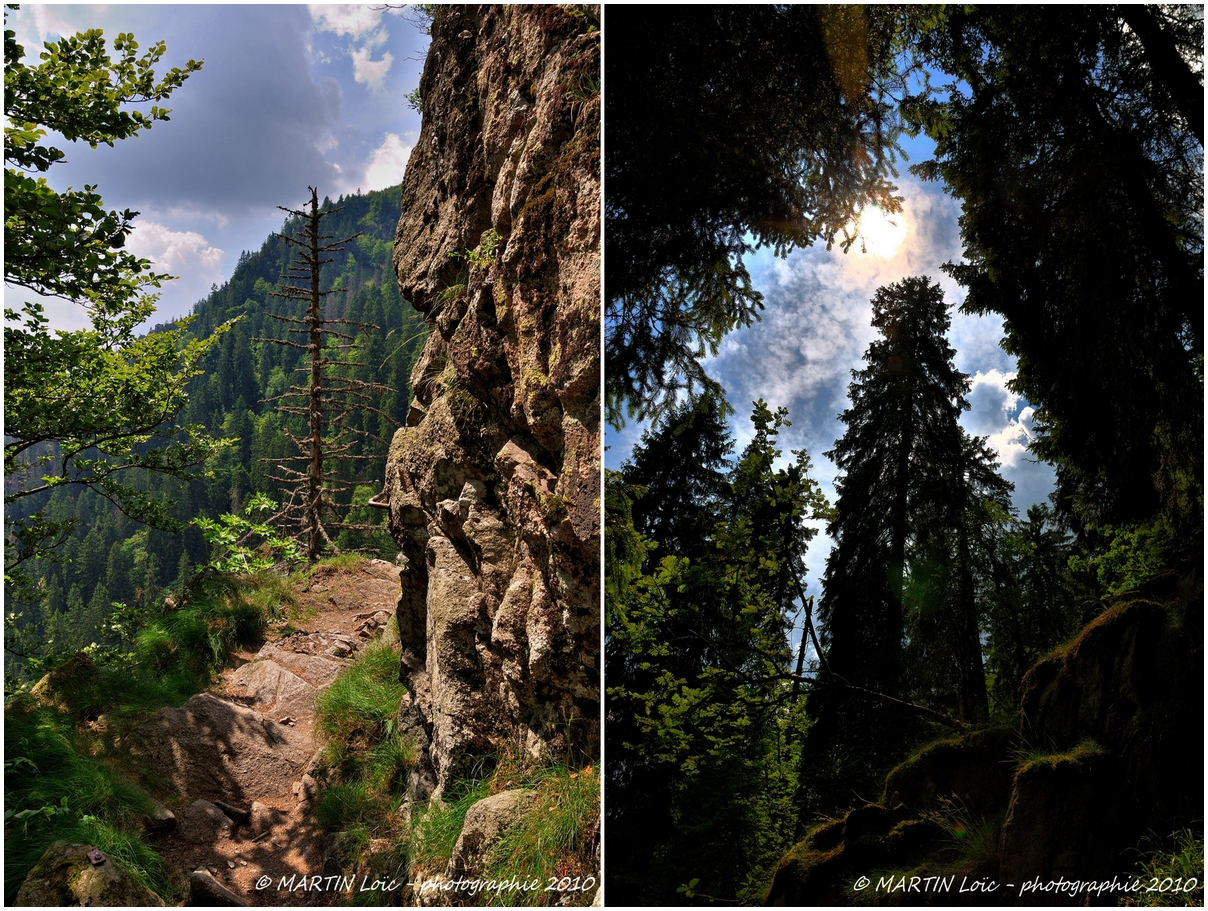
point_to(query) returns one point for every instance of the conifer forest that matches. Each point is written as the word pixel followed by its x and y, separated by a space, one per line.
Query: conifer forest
pixel 872 660
pixel 604 454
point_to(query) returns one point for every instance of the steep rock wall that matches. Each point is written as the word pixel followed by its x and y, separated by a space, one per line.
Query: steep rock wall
pixel 493 485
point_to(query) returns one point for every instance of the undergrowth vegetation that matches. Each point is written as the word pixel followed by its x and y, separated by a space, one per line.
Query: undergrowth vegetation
pixel 366 766
pixel 62 763
pixel 552 844
pixel 1173 869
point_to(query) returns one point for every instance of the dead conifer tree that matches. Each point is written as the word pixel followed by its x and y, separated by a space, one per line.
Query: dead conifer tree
pixel 327 398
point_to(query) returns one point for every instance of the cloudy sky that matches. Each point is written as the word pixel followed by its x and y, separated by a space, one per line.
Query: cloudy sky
pixel 817 326
pixel 288 97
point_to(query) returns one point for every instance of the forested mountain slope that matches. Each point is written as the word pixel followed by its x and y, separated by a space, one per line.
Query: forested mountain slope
pixel 111 558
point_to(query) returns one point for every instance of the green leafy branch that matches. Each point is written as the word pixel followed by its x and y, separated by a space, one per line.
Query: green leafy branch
pixel 229 537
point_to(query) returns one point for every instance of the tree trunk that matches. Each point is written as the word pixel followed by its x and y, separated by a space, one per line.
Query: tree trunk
pixel 314 475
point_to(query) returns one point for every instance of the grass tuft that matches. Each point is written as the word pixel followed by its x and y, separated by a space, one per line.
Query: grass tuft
pixel 555 840
pixel 1170 869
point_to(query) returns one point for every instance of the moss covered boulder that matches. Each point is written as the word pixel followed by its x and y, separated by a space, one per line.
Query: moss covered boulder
pixel 65 877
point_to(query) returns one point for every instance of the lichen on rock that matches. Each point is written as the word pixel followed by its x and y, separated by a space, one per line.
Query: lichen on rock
pixel 493 486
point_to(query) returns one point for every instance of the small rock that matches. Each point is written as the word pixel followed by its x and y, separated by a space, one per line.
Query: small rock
pixel 203 822
pixel 486 822
pixel 288 719
pixel 204 889
pixel 231 864
pixel 264 817
pixel 339 651
pixel 310 787
pixel 160 819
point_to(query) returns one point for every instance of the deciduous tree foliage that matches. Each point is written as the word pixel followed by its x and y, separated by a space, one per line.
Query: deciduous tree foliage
pixel 92 406
pixel 730 128
pixel 1076 146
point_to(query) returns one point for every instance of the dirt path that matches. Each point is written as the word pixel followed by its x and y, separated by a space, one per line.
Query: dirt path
pixel 241 758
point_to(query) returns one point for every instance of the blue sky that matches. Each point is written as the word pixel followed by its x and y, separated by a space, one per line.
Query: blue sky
pixel 289 96
pixel 816 327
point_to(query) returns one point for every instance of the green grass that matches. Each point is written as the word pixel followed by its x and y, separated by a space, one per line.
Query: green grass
pixel 1176 863
pixel 555 839
pixel 54 753
pixel 435 833
pixel 973 839
pixel 357 715
pixel 1027 760
pixel 347 562
pixel 49 764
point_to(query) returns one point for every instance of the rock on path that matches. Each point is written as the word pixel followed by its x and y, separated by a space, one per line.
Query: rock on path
pixel 239 761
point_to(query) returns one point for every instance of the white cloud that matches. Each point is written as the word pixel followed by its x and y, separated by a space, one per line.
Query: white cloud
pixel 184 253
pixel 1001 415
pixel 387 163
pixel 361 23
pixel 345 20
pixel 370 72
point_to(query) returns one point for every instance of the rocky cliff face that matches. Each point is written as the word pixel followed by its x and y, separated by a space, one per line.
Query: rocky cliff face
pixel 493 485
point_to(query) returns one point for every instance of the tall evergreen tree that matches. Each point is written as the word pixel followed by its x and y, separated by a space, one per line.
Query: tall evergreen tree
pixel 902 434
pixel 1076 148
pixel 906 537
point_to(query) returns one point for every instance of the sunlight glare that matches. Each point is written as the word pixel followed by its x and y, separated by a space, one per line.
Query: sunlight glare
pixel 880 234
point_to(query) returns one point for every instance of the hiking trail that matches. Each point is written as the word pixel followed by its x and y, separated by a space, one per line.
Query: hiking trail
pixel 241 758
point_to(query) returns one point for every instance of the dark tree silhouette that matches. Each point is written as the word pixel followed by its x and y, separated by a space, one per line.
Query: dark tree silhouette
pixel 906 534
pixel 730 128
pixel 1077 151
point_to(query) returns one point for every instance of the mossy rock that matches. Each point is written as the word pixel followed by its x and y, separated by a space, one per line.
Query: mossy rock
pixel 74 687
pixel 822 868
pixel 970 769
pixel 64 877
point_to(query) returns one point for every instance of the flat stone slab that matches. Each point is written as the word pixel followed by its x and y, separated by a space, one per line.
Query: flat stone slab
pixel 269 688
pixel 318 672
pixel 214 749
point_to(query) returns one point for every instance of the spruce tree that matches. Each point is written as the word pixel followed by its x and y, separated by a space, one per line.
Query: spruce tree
pixel 328 398
pixel 1076 148
pixel 902 578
